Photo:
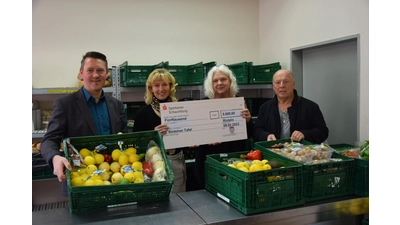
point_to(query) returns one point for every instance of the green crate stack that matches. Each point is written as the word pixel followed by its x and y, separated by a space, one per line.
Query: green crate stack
pixel 361 186
pixel 86 198
pixel 242 71
pixel 323 180
pixel 180 73
pixel 196 74
pixel 262 74
pixel 254 192
pixel 136 76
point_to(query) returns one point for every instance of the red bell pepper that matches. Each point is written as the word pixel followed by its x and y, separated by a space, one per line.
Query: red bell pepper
pixel 147 168
pixel 254 154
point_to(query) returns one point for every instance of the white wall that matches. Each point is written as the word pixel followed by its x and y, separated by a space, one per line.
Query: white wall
pixel 140 32
pixel 286 24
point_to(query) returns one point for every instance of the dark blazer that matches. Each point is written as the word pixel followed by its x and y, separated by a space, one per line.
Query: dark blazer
pixel 71 118
pixel 304 115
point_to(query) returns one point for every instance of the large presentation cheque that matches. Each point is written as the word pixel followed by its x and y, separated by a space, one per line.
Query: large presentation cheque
pixel 203 122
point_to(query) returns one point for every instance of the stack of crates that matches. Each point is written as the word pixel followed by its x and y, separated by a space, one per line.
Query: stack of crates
pixel 136 76
pixel 322 180
pixel 193 74
pixel 262 74
pixel 242 71
pixel 254 192
pixel 87 198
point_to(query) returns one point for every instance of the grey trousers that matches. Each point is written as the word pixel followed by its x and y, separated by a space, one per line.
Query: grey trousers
pixel 179 169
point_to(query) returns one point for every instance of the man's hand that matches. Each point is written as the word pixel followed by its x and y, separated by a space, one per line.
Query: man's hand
pixel 59 164
pixel 297 136
pixel 271 137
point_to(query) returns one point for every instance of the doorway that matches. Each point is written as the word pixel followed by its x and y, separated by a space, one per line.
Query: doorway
pixel 328 74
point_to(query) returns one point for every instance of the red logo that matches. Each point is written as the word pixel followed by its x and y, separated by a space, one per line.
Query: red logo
pixel 164 107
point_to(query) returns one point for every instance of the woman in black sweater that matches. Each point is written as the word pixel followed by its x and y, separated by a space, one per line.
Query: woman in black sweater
pixel 160 87
pixel 220 83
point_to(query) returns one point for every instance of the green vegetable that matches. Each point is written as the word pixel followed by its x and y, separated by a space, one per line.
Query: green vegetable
pixel 364 150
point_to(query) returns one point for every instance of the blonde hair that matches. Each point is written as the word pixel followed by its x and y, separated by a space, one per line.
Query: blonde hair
pixel 208 83
pixel 164 75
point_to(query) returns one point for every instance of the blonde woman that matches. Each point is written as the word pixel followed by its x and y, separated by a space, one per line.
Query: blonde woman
pixel 160 87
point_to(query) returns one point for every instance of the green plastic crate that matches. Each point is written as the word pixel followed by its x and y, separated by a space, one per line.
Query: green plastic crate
pixel 252 193
pixel 190 74
pixel 180 73
pixel 361 186
pixel 365 222
pixel 85 198
pixel 262 74
pixel 45 174
pixel 242 71
pixel 133 75
pixel 323 180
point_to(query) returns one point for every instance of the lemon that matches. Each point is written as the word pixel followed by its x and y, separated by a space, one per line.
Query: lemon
pixel 89 160
pixel 133 158
pixel 85 152
pixel 116 177
pixel 98 182
pixel 123 159
pixel 130 176
pixel 267 167
pixel 104 166
pixel 115 154
pixel 138 174
pixel 99 158
pixel 90 169
pixel 138 180
pixel 232 165
pixel 264 161
pixel 137 166
pixel 105 176
pixel 77 181
pixel 130 150
pixel 244 169
pixel 75 174
pixel 242 164
pixel 115 167
pixel 90 183
pixel 256 161
pixel 106 182
pixel 84 176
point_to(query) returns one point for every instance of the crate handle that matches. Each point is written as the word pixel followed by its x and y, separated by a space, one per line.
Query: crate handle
pixel 223 176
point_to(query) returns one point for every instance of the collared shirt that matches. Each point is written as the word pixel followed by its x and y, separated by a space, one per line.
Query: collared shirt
pixel 99 112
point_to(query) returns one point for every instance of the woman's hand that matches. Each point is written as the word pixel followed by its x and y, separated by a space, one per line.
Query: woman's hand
pixel 163 128
pixel 245 113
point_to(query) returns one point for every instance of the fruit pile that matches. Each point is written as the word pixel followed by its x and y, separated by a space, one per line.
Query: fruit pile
pixel 119 167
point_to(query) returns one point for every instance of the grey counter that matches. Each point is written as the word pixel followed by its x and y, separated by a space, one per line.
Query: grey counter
pixel 344 210
pixel 202 207
pixel 174 211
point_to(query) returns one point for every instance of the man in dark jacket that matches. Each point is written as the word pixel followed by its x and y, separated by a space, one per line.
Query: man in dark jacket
pixel 289 115
pixel 86 112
